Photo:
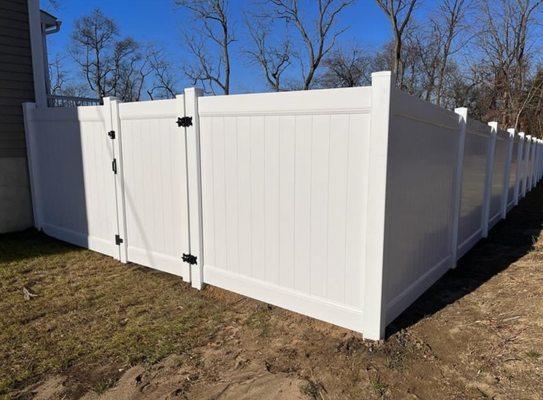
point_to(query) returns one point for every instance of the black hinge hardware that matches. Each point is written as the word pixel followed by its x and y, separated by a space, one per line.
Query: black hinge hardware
pixel 111 134
pixel 189 258
pixel 114 166
pixel 185 122
pixel 118 240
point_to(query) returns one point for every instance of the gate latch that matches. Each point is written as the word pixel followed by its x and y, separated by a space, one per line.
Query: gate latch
pixel 189 258
pixel 185 122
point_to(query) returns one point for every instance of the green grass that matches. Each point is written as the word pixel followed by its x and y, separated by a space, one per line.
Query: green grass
pixel 378 386
pixel 260 321
pixel 101 386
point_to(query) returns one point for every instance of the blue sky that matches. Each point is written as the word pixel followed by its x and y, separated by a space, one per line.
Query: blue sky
pixel 159 22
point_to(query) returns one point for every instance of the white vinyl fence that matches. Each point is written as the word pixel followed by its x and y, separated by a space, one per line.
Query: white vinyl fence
pixel 341 204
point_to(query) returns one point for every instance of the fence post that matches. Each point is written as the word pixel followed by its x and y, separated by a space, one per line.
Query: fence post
pixel 32 161
pixel 457 185
pixel 529 164
pixel 520 164
pixel 194 182
pixel 536 169
pixel 526 169
pixel 113 134
pixel 117 139
pixel 488 176
pixel 539 159
pixel 536 161
pixel 375 303
pixel 532 163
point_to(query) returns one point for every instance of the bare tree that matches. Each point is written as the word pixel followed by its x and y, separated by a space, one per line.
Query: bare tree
pixel 436 46
pixel 272 59
pixel 130 69
pixel 214 29
pixel 347 68
pixel 111 66
pixel 318 33
pixel 164 83
pixel 57 76
pixel 447 30
pixel 506 46
pixel 399 12
pixel 92 39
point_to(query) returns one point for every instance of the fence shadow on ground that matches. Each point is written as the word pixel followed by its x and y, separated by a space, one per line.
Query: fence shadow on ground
pixel 507 242
pixel 19 246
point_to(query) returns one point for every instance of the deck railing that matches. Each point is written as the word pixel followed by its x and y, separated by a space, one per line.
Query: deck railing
pixel 71 101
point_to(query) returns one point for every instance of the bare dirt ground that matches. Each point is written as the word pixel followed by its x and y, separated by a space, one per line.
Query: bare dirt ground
pixel 98 330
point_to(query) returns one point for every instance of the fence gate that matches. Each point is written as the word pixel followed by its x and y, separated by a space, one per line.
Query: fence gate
pixel 153 161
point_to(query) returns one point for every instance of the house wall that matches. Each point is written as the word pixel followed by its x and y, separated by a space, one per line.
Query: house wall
pixel 16 87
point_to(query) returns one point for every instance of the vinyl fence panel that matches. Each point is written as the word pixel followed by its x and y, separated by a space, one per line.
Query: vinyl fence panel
pixel 514 167
pixel 473 185
pixel 421 166
pixel 496 192
pixel 284 198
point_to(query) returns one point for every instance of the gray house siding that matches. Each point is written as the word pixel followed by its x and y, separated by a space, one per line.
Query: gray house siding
pixel 16 87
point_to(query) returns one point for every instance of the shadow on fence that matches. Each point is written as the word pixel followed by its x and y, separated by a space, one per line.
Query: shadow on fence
pixel 507 242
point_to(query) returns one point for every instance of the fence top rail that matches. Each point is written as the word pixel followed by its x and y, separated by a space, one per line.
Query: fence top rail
pixel 69 114
pixel 477 127
pixel 413 108
pixel 71 101
pixel 168 108
pixel 321 101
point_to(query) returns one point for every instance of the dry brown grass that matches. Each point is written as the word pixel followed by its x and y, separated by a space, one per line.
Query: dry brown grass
pixel 90 314
pixel 478 333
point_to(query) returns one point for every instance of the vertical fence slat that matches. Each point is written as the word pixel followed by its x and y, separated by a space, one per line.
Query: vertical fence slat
pixel 457 183
pixel 194 182
pixel 374 301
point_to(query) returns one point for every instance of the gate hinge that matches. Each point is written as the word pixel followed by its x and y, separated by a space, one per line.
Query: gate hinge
pixel 111 134
pixel 189 258
pixel 185 122
pixel 118 240
pixel 114 166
